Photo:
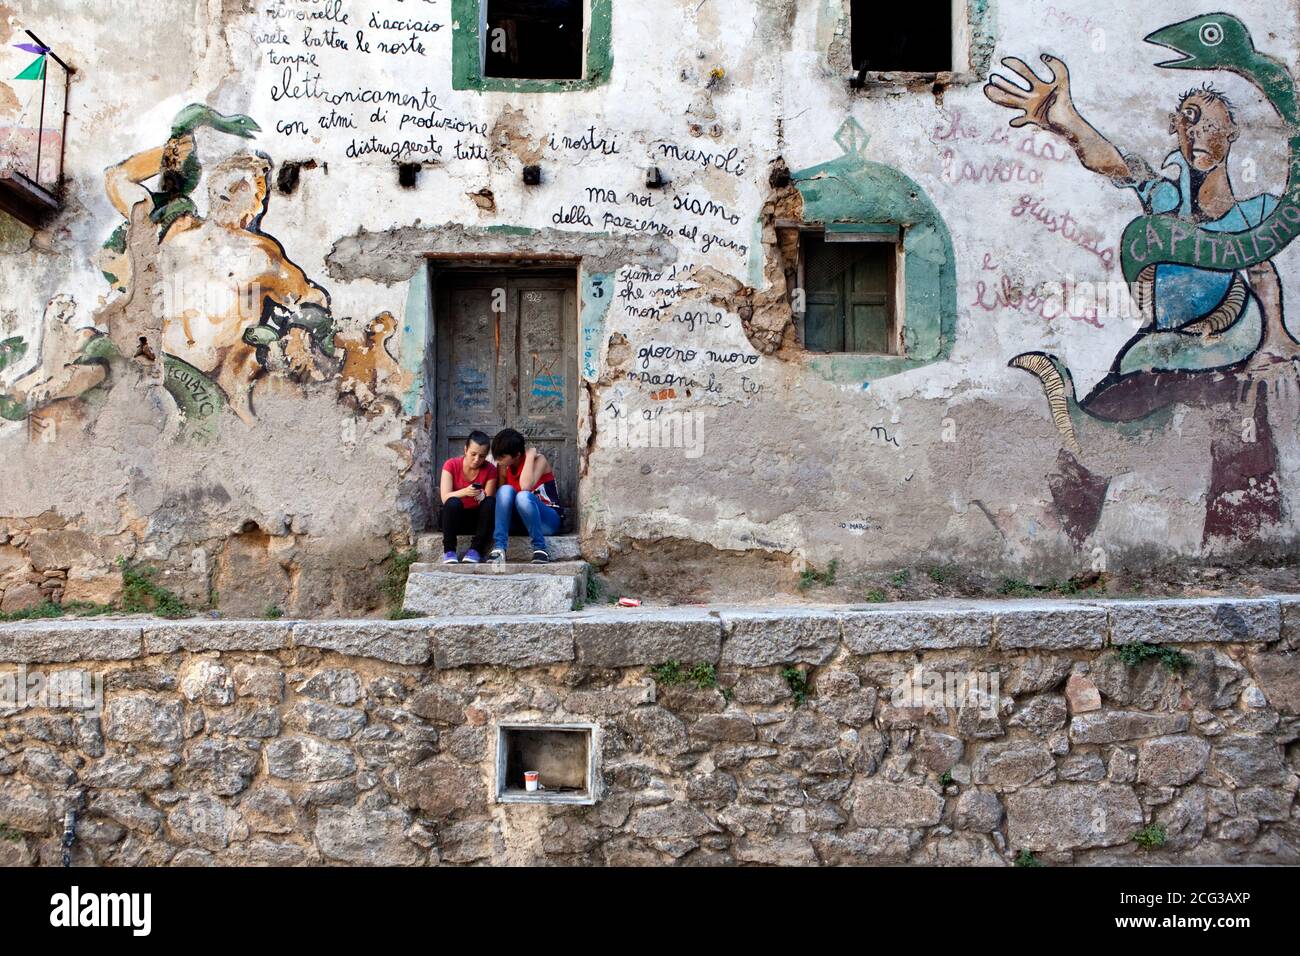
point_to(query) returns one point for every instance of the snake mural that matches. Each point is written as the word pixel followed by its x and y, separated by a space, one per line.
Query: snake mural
pixel 1199 260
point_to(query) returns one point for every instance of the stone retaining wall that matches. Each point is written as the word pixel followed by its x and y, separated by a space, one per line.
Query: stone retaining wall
pixel 374 742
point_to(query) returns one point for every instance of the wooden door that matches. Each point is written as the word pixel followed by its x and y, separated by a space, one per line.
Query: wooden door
pixel 507 358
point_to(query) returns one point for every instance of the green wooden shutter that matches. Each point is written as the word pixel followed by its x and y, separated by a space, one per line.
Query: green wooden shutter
pixel 849 296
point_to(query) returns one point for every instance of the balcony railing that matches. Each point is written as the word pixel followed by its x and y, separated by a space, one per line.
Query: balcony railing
pixel 32 141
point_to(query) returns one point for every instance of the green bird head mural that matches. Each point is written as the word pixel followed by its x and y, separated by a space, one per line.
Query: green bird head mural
pixel 1216 41
pixel 196 115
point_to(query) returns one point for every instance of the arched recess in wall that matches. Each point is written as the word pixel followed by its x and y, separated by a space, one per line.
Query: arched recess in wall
pixel 852 193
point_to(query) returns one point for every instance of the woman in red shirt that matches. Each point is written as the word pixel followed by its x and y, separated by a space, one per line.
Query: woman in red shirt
pixel 468 506
pixel 527 490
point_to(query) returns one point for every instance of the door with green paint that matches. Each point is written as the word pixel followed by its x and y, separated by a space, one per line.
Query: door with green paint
pixel 506 357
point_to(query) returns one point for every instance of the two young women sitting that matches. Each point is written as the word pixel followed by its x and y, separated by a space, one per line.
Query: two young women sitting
pixel 516 494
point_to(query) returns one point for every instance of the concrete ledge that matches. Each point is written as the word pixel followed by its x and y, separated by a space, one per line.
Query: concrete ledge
pixel 398 642
pixel 1195 621
pixel 503 641
pixel 56 642
pixel 906 627
pixel 634 637
pixel 757 638
pixel 165 638
pixel 1050 627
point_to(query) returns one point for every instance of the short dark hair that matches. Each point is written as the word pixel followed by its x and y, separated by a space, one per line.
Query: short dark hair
pixel 508 442
pixel 478 438
pixel 1209 94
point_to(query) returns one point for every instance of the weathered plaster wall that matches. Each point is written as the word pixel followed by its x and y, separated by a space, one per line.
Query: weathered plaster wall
pixel 955 735
pixel 313 440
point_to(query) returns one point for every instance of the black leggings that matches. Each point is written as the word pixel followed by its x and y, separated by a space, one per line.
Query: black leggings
pixel 458 520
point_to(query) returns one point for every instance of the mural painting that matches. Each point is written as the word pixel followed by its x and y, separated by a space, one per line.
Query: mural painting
pixel 73 360
pixel 1199 264
pixel 219 334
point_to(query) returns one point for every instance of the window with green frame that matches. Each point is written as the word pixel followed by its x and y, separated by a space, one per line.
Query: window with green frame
pixel 530 46
pixel 850 282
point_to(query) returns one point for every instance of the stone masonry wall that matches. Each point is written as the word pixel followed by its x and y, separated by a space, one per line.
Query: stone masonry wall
pixel 373 742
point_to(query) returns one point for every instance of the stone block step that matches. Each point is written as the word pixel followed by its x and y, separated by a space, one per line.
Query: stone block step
pixel 478 591
pixel 562 547
pixel 562 568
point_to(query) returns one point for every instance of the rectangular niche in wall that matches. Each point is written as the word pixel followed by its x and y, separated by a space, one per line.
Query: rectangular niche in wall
pixel 563 755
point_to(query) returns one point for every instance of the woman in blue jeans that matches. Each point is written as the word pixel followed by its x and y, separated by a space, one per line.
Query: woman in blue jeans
pixel 527 490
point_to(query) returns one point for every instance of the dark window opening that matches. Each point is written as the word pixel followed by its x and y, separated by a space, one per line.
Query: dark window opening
pixel 534 39
pixel 850 296
pixel 914 39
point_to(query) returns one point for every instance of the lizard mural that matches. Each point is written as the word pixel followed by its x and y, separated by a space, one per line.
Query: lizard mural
pixel 1199 260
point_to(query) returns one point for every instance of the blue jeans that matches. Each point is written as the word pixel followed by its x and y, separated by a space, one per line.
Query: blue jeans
pixel 540 520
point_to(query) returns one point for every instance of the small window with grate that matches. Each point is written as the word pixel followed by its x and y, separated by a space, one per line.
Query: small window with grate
pixel 850 292
pixel 915 38
pixel 534 39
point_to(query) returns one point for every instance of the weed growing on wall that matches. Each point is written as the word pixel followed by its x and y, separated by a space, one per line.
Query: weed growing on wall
pixel 48 609
pixel 394 586
pixel 798 681
pixel 1014 587
pixel 671 673
pixel 1151 837
pixel 596 593
pixel 810 576
pixel 668 674
pixel 703 675
pixel 142 595
pixel 1138 653
pixel 1027 858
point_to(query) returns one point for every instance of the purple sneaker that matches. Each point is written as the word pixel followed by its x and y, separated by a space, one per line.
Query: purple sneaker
pixel 449 558
pixel 471 557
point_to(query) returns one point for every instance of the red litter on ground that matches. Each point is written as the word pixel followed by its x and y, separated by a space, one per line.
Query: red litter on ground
pixel 628 602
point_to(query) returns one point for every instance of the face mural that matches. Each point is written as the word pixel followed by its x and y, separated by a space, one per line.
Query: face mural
pixel 1199 266
pixel 234 307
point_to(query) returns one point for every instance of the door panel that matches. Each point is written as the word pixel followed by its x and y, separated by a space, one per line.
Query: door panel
pixel 867 295
pixel 516 369
pixel 849 289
